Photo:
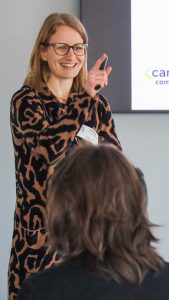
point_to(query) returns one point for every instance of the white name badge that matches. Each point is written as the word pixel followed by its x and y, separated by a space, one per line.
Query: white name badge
pixel 89 134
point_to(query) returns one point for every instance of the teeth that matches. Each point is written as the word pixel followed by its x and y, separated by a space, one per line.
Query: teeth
pixel 68 65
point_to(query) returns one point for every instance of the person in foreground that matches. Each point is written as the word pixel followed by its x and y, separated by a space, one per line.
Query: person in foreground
pixel 57 108
pixel 97 221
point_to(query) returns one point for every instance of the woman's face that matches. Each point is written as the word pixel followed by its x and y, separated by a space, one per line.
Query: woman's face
pixel 68 65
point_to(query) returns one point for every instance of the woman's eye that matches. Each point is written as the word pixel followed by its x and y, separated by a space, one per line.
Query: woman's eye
pixel 63 47
pixel 78 48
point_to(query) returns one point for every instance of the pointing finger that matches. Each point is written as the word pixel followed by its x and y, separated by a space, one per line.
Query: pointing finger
pixel 99 62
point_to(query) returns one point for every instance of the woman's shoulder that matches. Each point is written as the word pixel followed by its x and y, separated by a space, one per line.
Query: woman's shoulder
pixel 59 273
pixel 102 100
pixel 23 91
pixel 165 269
pixel 160 278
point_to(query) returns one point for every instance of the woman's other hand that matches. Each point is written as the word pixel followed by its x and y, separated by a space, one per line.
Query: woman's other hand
pixel 97 77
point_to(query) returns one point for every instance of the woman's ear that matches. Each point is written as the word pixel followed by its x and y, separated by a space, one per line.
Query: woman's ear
pixel 43 53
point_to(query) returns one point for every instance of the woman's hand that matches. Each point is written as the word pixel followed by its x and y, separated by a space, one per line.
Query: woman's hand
pixel 97 77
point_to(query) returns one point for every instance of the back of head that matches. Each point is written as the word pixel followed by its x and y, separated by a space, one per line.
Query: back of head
pixel 98 205
pixel 38 69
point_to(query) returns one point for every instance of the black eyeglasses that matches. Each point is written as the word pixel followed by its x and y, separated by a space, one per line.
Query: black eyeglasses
pixel 63 49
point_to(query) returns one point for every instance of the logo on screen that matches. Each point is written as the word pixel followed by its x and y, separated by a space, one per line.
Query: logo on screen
pixel 158 76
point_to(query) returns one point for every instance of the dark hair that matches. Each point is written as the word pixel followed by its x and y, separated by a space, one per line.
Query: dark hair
pixel 98 205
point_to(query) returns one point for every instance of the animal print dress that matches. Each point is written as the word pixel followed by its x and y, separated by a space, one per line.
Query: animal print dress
pixel 43 131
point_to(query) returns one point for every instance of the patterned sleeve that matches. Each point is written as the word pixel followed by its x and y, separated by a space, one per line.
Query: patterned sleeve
pixel 29 122
pixel 107 133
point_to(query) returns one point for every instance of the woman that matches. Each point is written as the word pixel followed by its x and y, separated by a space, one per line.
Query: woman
pixel 97 220
pixel 57 108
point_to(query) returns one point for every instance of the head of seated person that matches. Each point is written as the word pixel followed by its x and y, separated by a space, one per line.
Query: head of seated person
pixel 97 207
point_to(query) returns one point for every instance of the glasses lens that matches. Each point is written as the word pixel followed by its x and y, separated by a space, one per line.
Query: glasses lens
pixel 61 49
pixel 79 49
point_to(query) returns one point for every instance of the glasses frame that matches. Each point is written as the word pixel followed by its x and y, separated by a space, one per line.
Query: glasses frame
pixel 68 48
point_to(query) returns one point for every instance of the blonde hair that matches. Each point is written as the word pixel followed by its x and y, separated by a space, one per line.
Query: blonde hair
pixel 38 73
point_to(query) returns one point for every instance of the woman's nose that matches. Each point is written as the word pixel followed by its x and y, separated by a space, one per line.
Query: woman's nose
pixel 70 53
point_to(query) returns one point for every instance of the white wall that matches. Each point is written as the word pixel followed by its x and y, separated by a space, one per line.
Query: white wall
pixel 145 141
pixel 144 137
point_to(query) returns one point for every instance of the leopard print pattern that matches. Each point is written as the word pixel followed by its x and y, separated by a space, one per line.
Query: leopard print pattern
pixel 43 131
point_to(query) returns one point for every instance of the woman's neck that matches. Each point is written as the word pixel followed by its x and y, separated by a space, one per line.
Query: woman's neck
pixel 60 88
